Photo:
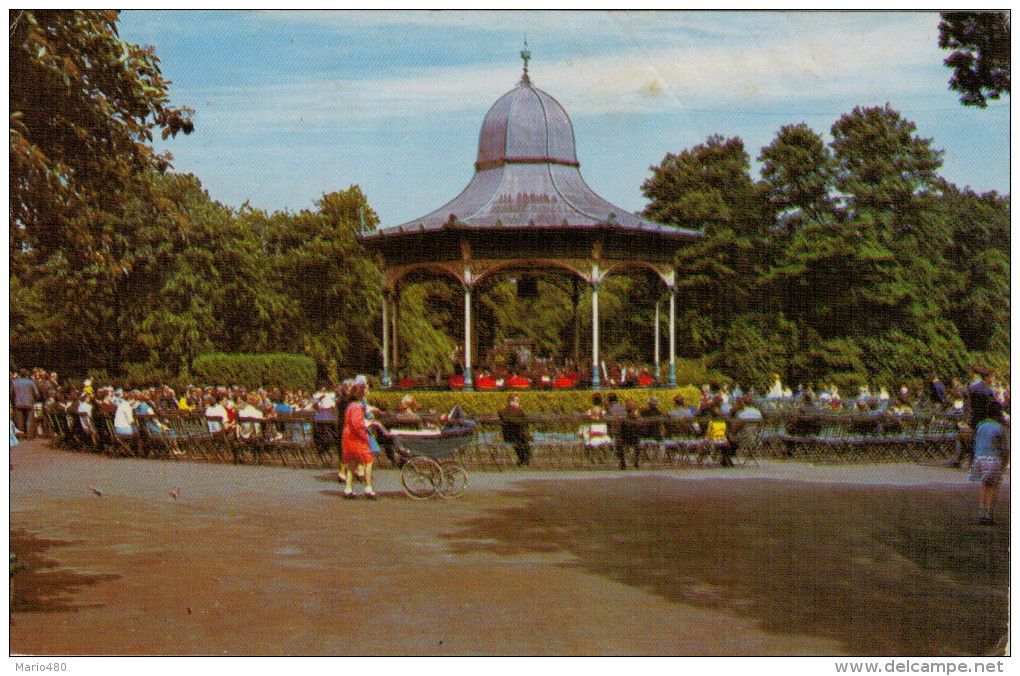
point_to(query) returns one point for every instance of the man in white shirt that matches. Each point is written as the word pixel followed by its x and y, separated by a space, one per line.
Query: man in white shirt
pixel 245 428
pixel 124 418
pixel 216 416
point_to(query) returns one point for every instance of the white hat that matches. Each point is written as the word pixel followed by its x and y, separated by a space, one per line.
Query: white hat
pixel 360 380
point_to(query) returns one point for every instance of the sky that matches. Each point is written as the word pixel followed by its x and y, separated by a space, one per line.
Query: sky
pixel 291 105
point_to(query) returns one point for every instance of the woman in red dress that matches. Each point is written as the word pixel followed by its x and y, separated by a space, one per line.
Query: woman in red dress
pixel 357 453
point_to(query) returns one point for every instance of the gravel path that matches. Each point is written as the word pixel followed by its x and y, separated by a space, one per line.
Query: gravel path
pixel 785 559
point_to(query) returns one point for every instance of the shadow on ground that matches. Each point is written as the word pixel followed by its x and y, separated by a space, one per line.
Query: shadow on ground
pixel 884 570
pixel 41 586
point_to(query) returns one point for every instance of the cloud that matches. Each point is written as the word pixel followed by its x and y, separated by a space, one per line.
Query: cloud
pixel 826 62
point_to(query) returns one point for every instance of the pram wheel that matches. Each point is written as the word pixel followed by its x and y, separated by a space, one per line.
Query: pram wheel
pixel 454 481
pixel 421 478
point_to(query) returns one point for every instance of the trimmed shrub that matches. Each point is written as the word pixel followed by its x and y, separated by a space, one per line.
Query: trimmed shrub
pixel 287 371
pixel 487 403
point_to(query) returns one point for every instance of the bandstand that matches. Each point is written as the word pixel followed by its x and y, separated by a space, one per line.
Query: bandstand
pixel 527 210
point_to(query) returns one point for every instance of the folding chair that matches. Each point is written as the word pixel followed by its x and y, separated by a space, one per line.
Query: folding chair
pixel 681 437
pixel 649 440
pixel 745 437
pixel 250 439
pixel 771 431
pixel 87 433
pixel 124 444
pixel 940 439
pixel 326 436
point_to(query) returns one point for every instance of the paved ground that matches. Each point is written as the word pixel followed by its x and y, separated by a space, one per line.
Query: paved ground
pixel 786 559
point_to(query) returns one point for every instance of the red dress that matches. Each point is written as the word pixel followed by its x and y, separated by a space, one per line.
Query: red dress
pixel 355 440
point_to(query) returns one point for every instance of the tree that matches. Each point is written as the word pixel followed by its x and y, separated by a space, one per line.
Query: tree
pixel 83 108
pixel 978 268
pixel 981 60
pixel 881 163
pixel 798 172
pixel 327 280
pixel 710 187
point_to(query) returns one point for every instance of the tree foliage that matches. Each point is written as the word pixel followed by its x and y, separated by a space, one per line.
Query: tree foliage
pixel 709 187
pixel 981 54
pixel 83 108
pixel 798 172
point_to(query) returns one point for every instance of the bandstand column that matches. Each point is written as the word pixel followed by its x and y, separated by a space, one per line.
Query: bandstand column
pixel 468 384
pixel 595 331
pixel 672 336
pixel 395 318
pixel 385 343
pixel 655 360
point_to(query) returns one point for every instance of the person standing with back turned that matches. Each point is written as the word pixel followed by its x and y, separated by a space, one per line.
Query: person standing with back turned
pixel 356 449
pixel 991 455
pixel 24 394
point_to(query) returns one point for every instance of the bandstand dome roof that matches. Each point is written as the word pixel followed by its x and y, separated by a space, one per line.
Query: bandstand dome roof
pixel 527 176
pixel 526 125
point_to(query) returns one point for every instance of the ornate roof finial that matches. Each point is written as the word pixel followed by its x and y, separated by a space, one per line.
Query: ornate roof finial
pixel 526 55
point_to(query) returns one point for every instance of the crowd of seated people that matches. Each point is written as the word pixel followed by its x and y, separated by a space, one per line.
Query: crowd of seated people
pixel 879 400
pixel 231 411
pixel 235 411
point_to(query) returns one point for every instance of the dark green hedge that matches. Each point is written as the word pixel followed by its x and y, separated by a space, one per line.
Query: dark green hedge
pixel 289 371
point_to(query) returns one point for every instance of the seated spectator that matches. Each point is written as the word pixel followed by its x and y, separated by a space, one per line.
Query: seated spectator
pixel 124 418
pixel 408 416
pixel 84 412
pixel 716 440
pixel 280 404
pixel 746 410
pixel 248 430
pixel 680 409
pixel 216 415
pixel 596 433
pixel 900 407
pixel 747 419
pixel 651 409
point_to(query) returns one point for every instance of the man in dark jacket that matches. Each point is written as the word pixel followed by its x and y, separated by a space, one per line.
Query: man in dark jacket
pixel 514 424
pixel 937 392
pixel 24 394
pixel 978 402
